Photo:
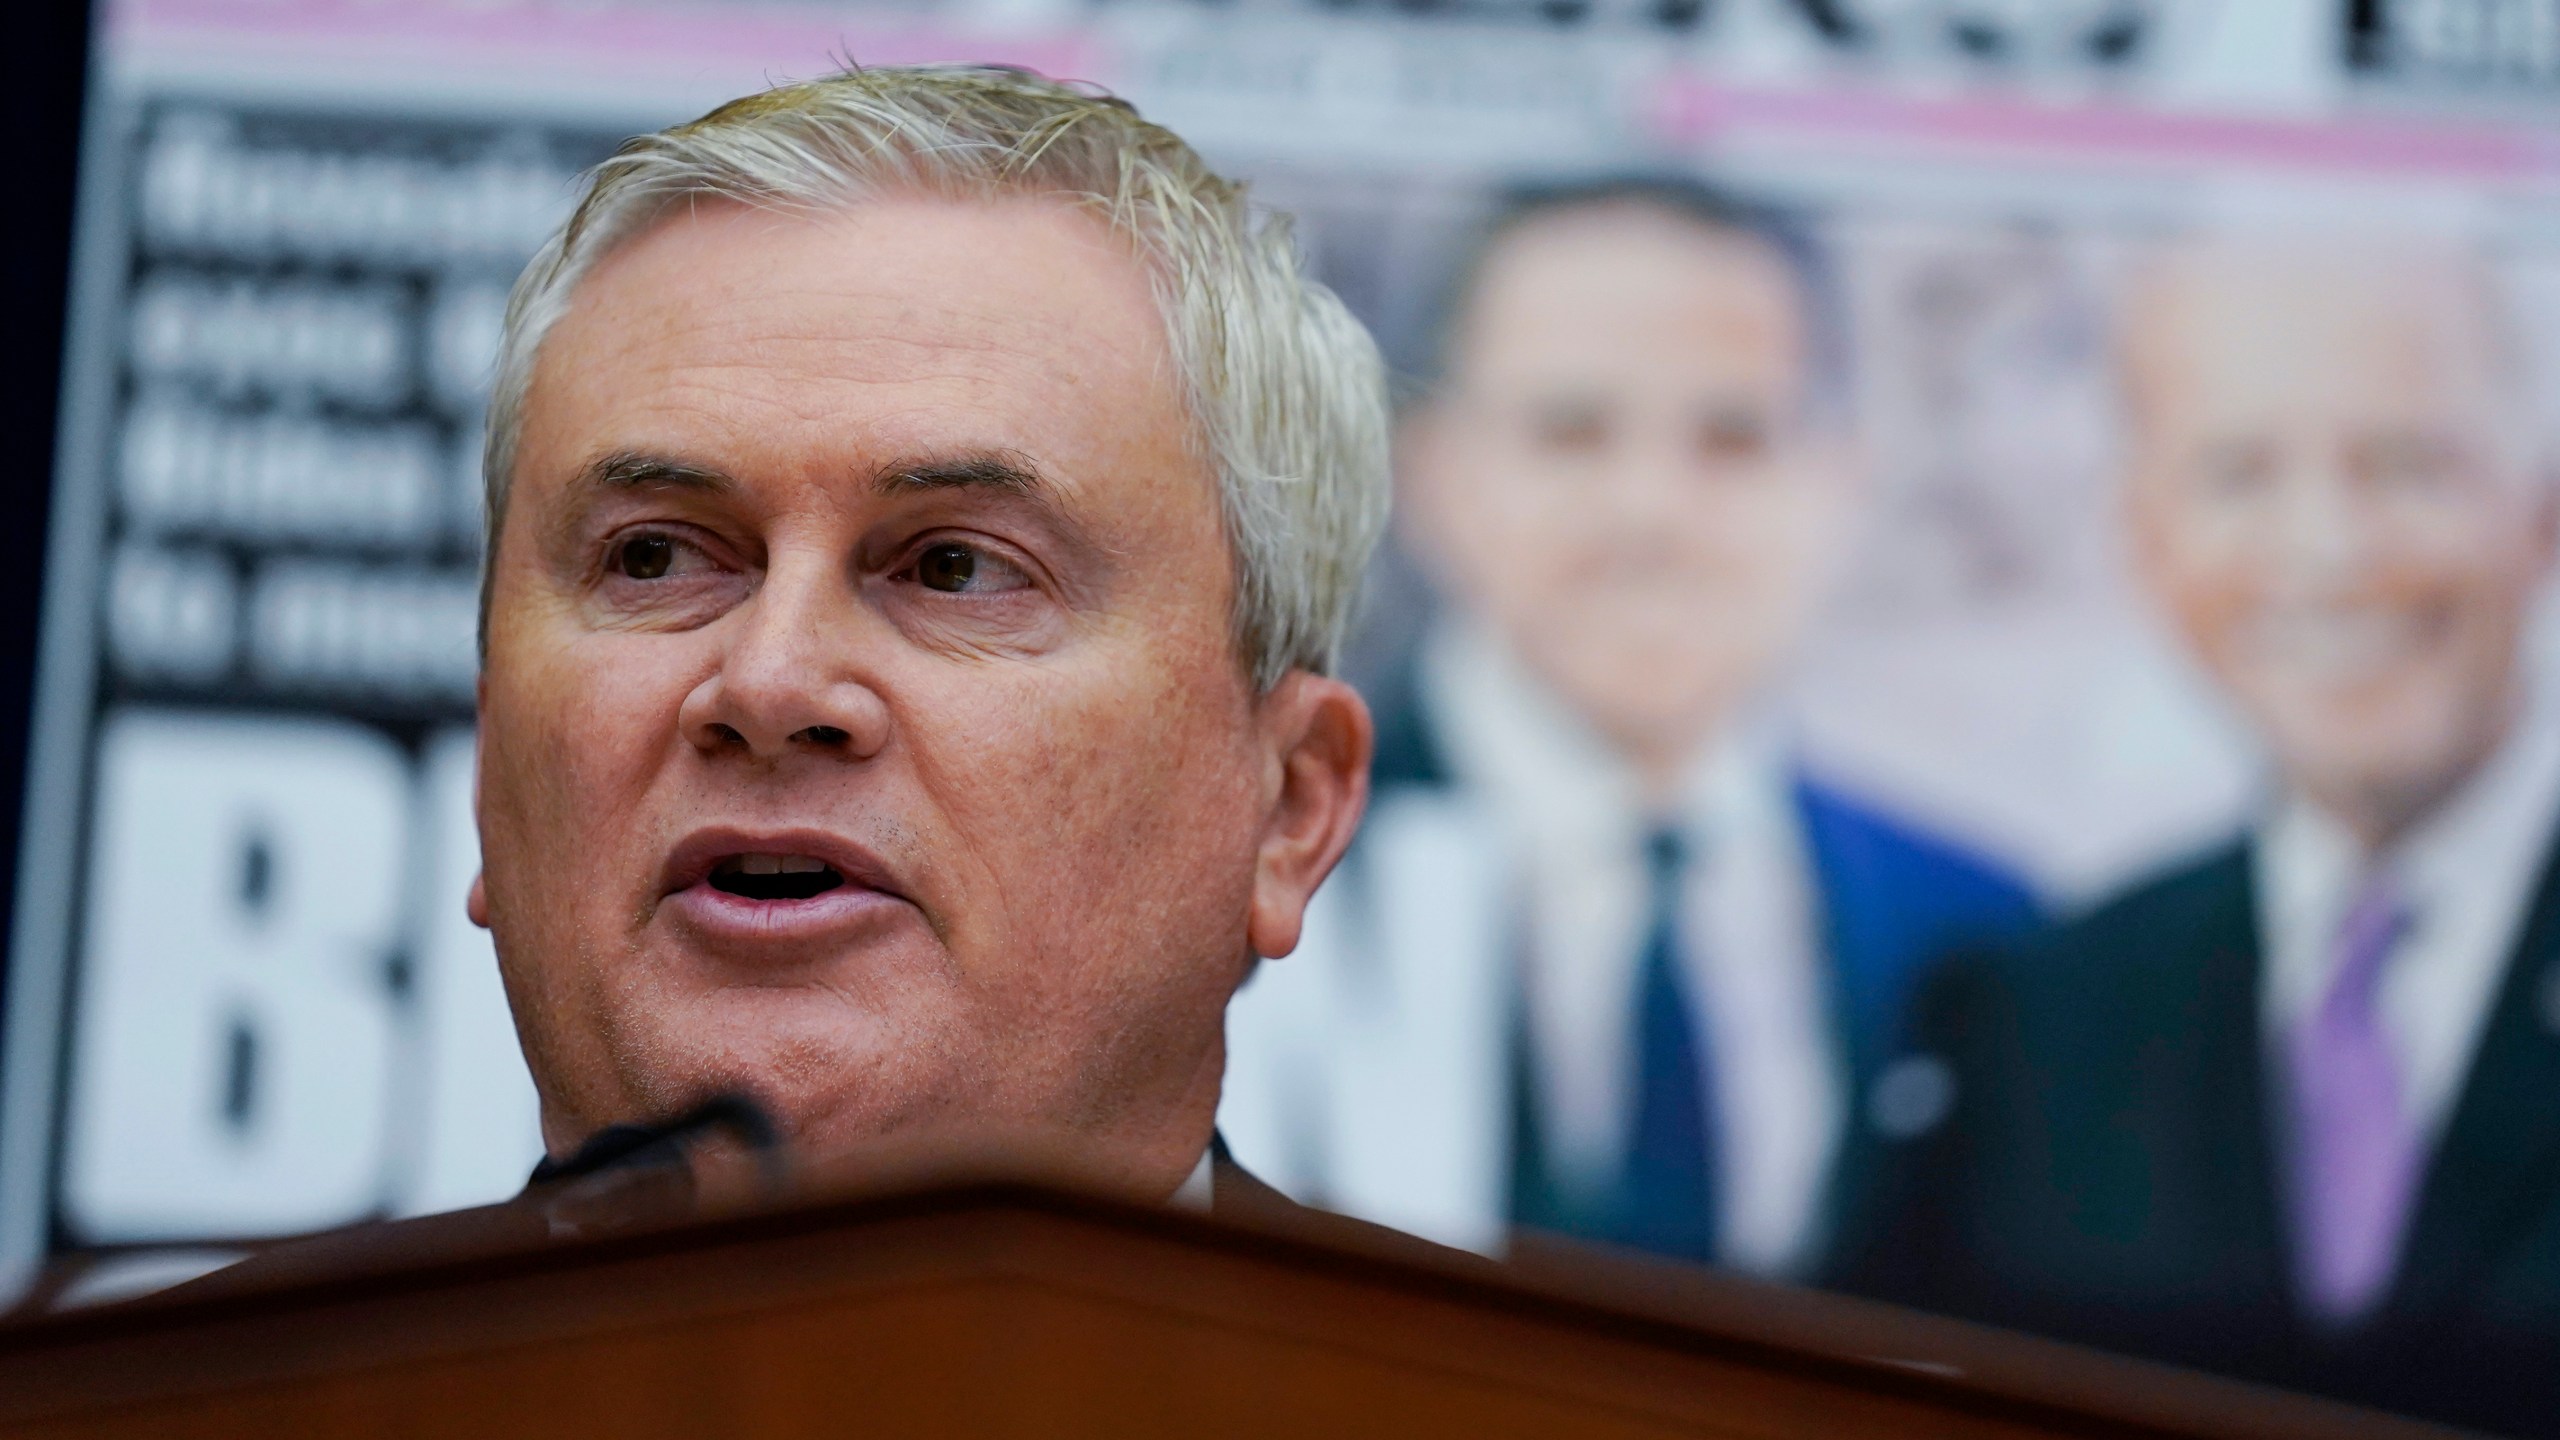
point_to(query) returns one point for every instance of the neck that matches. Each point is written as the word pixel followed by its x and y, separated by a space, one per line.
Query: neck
pixel 1663 764
pixel 1155 1153
pixel 2381 814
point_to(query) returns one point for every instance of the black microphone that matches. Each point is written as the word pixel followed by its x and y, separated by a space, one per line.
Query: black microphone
pixel 623 1171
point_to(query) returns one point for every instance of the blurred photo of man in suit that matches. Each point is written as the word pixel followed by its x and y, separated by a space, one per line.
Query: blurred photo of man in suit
pixel 2292 1110
pixel 1607 960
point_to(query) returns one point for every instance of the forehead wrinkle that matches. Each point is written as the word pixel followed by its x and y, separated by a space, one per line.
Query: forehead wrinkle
pixel 755 313
pixel 945 329
pixel 809 382
pixel 847 353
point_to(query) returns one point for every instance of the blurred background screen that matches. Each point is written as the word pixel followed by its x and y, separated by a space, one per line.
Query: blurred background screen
pixel 1874 472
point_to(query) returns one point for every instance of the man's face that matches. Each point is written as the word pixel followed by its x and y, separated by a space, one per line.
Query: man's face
pixel 862 722
pixel 2335 496
pixel 1619 475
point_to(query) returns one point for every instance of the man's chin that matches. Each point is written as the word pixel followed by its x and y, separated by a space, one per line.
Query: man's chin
pixel 1627 692
pixel 2381 782
pixel 814 1062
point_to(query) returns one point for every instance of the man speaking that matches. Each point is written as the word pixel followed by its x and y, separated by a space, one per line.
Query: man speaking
pixel 923 508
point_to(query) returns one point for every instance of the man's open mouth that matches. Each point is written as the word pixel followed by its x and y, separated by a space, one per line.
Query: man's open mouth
pixel 775 877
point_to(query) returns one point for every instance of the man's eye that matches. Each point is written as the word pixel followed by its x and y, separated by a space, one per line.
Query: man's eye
pixel 2236 470
pixel 947 567
pixel 1569 429
pixel 2409 464
pixel 1733 436
pixel 645 557
pixel 957 569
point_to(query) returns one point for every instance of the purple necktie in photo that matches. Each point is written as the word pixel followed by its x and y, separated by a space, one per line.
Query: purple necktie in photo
pixel 2355 1144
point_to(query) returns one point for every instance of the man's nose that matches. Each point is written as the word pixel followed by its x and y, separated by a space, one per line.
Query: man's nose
pixel 1645 479
pixel 791 679
pixel 2325 535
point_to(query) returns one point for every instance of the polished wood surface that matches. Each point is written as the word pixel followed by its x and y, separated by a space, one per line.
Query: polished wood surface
pixel 1006 1309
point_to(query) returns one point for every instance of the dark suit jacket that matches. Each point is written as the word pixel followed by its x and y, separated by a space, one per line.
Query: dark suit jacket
pixel 1890 898
pixel 2105 1171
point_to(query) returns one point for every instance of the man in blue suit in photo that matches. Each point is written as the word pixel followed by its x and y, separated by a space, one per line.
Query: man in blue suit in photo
pixel 2291 1110
pixel 1608 960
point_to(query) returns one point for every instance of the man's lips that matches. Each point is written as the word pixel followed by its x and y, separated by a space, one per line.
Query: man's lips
pixel 739 884
pixel 722 852
pixel 2345 644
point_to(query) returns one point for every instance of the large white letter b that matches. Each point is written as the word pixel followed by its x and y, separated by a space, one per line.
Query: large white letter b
pixel 234 1037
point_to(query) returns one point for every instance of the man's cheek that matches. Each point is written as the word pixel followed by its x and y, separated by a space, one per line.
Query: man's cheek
pixel 1081 732
pixel 599 719
pixel 2207 599
pixel 534 806
pixel 1160 812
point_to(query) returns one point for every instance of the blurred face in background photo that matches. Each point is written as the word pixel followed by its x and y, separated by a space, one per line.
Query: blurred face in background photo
pixel 864 724
pixel 1620 471
pixel 2338 496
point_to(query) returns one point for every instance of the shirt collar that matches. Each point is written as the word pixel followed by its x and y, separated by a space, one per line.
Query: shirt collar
pixel 2481 848
pixel 1554 782
pixel 1200 1187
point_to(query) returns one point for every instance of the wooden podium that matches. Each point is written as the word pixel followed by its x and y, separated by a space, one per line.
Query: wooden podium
pixel 1009 1309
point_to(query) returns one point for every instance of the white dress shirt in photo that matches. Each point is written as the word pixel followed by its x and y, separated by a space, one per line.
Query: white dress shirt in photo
pixel 1574 822
pixel 2466 874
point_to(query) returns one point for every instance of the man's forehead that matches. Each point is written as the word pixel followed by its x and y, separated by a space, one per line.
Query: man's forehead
pixel 2223 325
pixel 888 290
pixel 909 330
pixel 1593 286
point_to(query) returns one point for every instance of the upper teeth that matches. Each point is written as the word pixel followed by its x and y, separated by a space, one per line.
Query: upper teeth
pixel 773 864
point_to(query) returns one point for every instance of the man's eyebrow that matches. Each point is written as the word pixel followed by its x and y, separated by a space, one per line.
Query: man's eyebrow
pixel 987 470
pixel 630 470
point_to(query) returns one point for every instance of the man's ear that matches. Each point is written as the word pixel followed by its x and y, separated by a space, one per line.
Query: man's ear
pixel 1320 737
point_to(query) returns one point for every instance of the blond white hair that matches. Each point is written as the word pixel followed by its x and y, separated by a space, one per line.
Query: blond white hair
pixel 1286 388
